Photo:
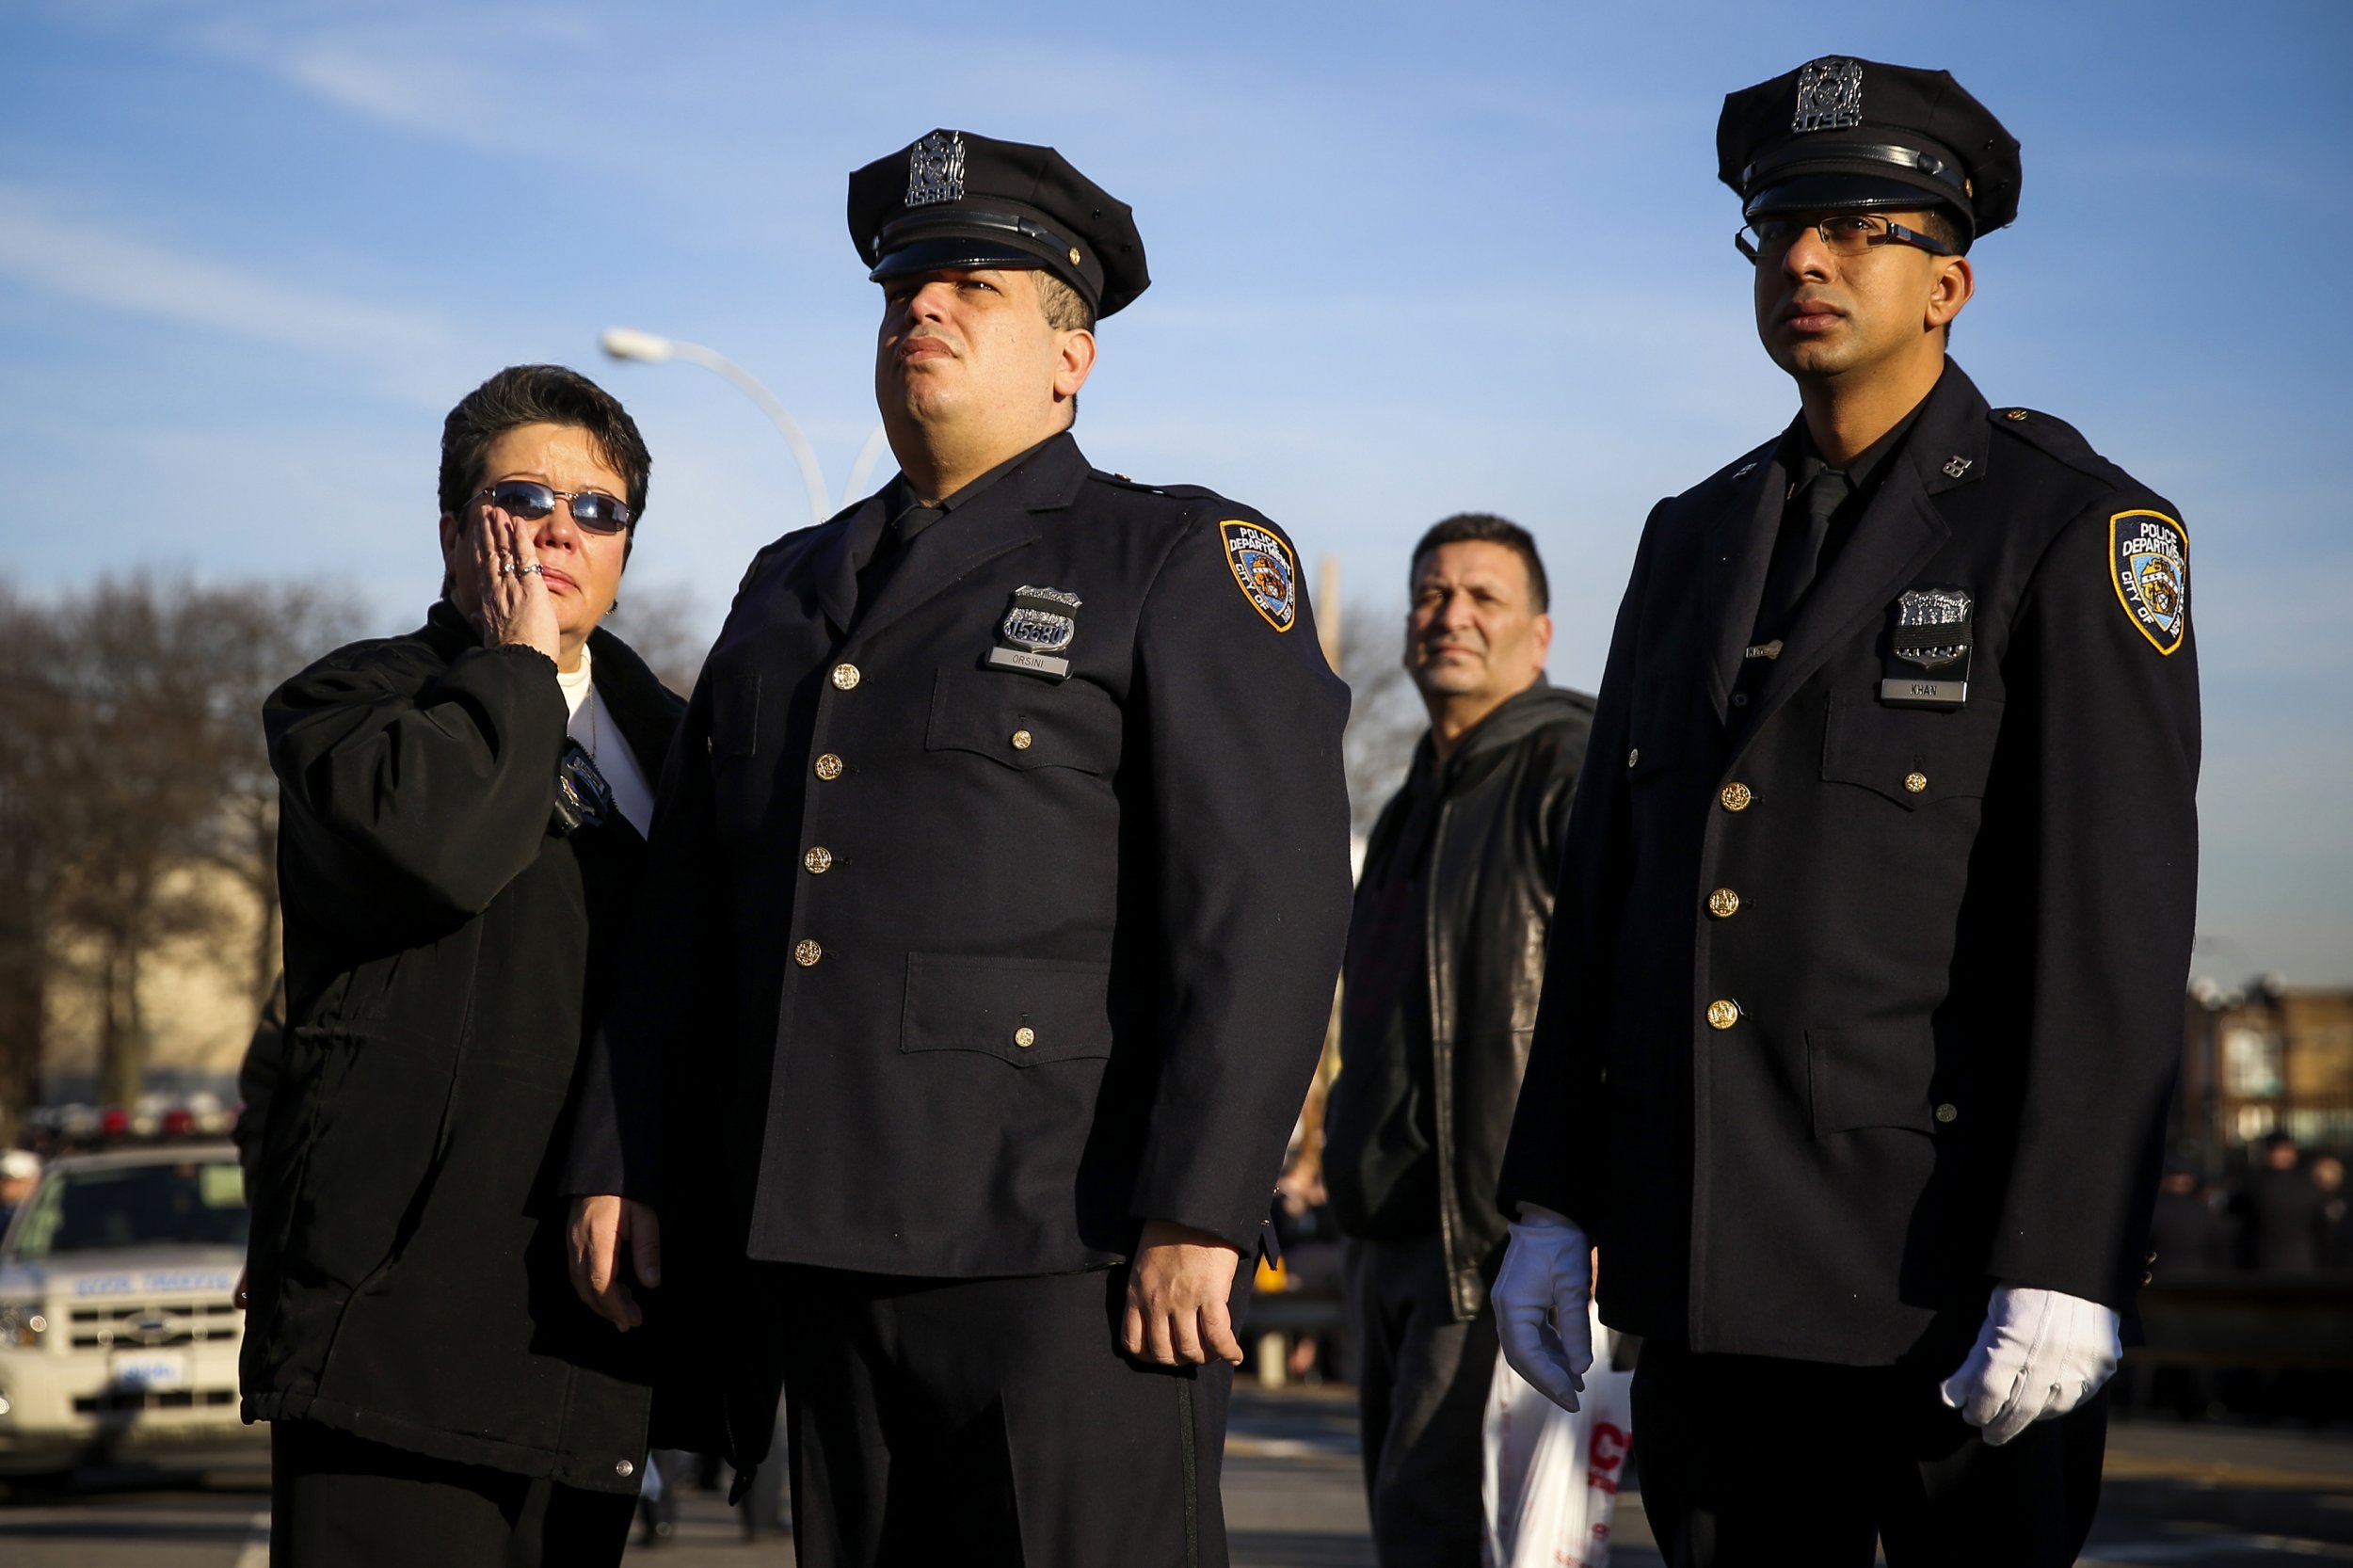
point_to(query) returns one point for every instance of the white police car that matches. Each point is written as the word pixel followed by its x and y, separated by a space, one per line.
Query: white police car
pixel 118 1326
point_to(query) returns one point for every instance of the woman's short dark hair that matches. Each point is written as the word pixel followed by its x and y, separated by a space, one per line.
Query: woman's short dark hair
pixel 538 395
pixel 1466 527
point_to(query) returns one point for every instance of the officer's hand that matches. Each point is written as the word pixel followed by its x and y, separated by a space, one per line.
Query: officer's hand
pixel 2040 1355
pixel 1176 1291
pixel 1541 1298
pixel 602 1226
pixel 517 610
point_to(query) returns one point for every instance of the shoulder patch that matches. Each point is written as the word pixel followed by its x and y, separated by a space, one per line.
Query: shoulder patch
pixel 2148 564
pixel 1262 565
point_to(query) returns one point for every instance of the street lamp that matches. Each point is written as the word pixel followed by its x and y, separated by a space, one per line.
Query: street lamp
pixel 627 343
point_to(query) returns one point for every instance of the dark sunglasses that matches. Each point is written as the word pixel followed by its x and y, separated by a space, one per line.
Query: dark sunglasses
pixel 529 500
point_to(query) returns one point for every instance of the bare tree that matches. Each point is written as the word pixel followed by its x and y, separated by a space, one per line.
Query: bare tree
pixel 133 712
pixel 34 715
pixel 253 637
pixel 664 626
pixel 1386 716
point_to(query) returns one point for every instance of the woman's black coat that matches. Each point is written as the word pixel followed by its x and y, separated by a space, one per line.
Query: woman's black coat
pixel 445 950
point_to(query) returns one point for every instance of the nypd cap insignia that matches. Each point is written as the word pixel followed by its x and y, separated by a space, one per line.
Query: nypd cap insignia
pixel 2149 561
pixel 956 198
pixel 1262 564
pixel 1844 135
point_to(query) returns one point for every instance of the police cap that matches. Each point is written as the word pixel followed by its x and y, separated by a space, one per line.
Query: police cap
pixel 1840 133
pixel 956 200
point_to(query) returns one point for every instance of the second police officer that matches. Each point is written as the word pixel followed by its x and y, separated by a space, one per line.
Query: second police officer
pixel 1001 881
pixel 1864 999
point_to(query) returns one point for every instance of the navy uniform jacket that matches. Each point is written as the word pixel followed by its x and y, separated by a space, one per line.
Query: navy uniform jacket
pixel 1947 948
pixel 959 972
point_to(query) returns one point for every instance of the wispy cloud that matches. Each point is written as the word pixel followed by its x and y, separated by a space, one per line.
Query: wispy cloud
pixel 408 350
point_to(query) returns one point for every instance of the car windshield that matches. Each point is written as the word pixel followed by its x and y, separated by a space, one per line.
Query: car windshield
pixel 100 1207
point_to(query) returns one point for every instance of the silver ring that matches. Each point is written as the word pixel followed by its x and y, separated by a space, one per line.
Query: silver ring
pixel 534 569
pixel 507 568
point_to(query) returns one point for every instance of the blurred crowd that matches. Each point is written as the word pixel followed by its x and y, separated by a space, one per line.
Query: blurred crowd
pixel 2285 1215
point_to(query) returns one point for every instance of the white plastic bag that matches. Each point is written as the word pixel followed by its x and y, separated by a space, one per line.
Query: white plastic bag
pixel 1549 1483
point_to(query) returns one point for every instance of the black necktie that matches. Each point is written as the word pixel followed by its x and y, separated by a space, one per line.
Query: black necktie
pixel 1798 553
pixel 892 544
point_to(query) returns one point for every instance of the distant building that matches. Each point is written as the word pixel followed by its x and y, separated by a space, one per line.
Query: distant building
pixel 2266 1058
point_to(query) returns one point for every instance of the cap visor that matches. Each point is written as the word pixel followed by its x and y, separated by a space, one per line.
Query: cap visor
pixel 950 251
pixel 1836 192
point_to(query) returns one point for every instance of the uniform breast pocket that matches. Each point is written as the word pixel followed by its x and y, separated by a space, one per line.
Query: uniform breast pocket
pixel 1915 758
pixel 1025 1011
pixel 1024 723
pixel 734 716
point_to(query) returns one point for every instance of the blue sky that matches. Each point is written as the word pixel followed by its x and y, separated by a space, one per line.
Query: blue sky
pixel 1408 260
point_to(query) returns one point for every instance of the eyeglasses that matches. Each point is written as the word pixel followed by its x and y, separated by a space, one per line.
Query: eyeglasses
pixel 1843 233
pixel 527 499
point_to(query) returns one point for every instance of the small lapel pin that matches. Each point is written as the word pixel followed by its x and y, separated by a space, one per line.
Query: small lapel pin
pixel 1957 467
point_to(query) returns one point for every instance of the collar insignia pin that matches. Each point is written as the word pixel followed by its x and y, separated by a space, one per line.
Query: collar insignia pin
pixel 1957 467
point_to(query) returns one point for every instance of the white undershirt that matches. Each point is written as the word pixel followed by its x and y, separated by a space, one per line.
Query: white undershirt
pixel 592 726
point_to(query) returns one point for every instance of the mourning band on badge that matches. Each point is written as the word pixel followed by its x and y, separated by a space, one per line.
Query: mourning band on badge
pixel 582 798
pixel 2149 565
pixel 1036 633
pixel 1929 650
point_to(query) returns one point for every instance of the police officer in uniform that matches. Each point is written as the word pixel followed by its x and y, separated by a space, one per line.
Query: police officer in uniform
pixel 1863 994
pixel 1004 869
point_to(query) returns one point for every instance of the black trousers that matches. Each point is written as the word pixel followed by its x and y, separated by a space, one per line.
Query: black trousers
pixel 1421 1390
pixel 1750 1459
pixel 339 1501
pixel 994 1422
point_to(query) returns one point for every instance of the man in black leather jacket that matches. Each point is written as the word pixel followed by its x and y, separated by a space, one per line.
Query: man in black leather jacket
pixel 1445 954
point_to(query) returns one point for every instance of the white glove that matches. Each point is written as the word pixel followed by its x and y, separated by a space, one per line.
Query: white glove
pixel 1540 1301
pixel 2040 1355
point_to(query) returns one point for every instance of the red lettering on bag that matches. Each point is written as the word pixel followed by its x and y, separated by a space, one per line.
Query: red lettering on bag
pixel 1607 1450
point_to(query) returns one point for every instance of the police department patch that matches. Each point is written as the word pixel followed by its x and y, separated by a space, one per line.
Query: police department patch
pixel 2148 560
pixel 1262 564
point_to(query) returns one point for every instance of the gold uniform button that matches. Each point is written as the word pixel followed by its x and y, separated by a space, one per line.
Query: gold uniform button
pixel 2148 1278
pixel 1021 739
pixel 2151 1258
pixel 2018 415
pixel 830 767
pixel 844 676
pixel 1915 782
pixel 806 954
pixel 1736 797
pixel 1025 1036
pixel 819 859
pixel 1723 903
pixel 1723 1014
pixel 1948 1113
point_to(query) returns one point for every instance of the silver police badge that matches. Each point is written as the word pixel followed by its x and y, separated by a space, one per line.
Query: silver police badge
pixel 1830 95
pixel 1037 629
pixel 1933 607
pixel 935 170
pixel 1928 650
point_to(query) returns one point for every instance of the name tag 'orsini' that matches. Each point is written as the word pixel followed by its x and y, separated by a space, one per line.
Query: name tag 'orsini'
pixel 1037 631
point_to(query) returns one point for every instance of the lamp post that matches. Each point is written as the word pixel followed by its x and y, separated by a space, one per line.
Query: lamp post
pixel 627 343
